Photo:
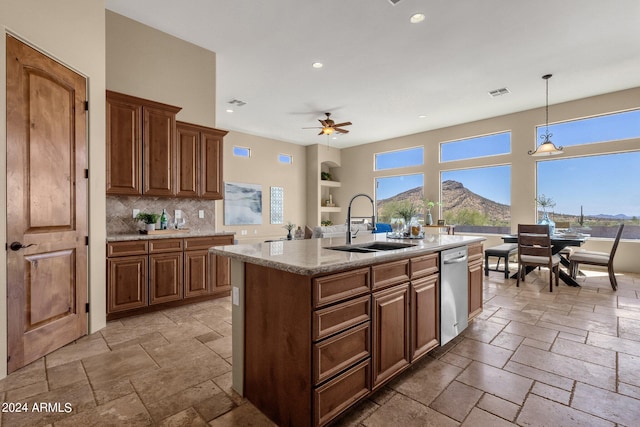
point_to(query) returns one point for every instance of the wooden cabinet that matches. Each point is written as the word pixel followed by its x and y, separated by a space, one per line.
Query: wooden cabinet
pixel 165 270
pixel 206 273
pixel 475 279
pixel 319 344
pixel 390 333
pixel 425 301
pixel 146 273
pixel 199 161
pixel 124 145
pixel 140 146
pixel 126 283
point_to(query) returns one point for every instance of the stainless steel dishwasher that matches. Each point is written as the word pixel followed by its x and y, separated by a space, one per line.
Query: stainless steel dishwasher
pixel 454 293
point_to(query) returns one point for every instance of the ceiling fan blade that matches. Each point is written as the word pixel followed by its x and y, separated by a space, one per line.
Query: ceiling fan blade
pixel 343 124
pixel 321 132
pixel 324 123
pixel 315 127
pixel 341 130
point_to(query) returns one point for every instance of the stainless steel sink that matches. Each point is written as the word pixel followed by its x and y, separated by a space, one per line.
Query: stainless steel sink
pixel 371 247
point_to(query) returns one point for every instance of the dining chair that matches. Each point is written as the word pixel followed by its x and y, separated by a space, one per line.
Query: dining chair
pixel 597 258
pixel 534 249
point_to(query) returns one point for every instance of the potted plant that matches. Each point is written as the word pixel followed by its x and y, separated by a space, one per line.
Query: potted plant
pixel 149 219
pixel 407 210
pixel 289 226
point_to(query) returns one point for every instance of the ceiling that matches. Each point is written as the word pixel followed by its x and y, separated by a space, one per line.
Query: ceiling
pixel 381 72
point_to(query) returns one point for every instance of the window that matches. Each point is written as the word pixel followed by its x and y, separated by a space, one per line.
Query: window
pixel 477 200
pixel 394 193
pixel 480 146
pixel 242 152
pixel 594 193
pixel 399 159
pixel 610 127
pixel 285 158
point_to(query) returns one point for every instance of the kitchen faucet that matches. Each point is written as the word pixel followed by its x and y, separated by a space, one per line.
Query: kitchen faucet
pixel 373 216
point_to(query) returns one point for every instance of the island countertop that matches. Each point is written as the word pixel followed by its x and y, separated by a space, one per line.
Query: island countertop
pixel 311 257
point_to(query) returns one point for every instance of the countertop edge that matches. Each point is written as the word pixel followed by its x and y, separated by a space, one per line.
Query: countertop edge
pixel 126 237
pixel 363 260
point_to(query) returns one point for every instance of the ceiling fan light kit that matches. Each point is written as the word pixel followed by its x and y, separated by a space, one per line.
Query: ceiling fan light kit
pixel 329 126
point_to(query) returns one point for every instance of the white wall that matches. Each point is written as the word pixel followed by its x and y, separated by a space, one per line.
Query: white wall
pixel 357 174
pixel 147 63
pixel 72 32
pixel 263 168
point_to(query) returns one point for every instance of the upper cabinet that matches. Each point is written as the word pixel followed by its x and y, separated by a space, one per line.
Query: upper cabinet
pixel 149 153
pixel 199 161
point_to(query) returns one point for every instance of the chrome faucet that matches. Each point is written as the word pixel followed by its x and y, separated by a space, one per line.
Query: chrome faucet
pixel 373 216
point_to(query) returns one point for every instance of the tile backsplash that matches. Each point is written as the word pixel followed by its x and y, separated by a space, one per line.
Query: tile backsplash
pixel 120 212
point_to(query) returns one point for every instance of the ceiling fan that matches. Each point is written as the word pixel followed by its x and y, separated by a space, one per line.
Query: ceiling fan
pixel 329 126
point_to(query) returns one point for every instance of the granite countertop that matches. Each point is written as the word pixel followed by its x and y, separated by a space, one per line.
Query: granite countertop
pixel 177 235
pixel 309 257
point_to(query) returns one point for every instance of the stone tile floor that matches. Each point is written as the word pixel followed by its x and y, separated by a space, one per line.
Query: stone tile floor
pixel 532 358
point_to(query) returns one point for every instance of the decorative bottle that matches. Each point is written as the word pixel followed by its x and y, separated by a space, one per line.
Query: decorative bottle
pixel 163 220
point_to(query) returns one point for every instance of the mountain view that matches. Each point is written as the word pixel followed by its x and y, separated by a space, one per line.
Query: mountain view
pixel 462 206
pixel 456 199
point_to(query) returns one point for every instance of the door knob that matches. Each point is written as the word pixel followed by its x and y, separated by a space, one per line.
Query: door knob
pixel 16 246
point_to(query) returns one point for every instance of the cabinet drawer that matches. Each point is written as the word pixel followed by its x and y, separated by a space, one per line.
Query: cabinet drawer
pixel 130 247
pixel 165 245
pixel 424 265
pixel 339 317
pixel 474 251
pixel 339 352
pixel 340 286
pixel 340 393
pixel 390 273
pixel 197 243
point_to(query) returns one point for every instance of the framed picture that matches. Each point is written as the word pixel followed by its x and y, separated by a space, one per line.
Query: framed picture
pixel 441 222
pixel 242 203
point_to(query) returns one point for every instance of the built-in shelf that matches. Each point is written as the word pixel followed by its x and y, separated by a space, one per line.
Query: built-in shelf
pixel 327 183
pixel 330 209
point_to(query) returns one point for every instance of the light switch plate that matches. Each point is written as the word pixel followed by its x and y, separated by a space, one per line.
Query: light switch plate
pixel 236 296
pixel 136 212
pixel 177 214
pixel 200 213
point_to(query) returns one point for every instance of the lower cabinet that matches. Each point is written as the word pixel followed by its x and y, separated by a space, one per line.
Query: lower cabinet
pixel 165 277
pixel 425 322
pixel 390 331
pixel 475 279
pixel 142 274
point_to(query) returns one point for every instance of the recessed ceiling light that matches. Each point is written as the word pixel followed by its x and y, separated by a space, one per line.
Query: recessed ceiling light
pixel 422 116
pixel 416 17
pixel 317 65
pixel 229 110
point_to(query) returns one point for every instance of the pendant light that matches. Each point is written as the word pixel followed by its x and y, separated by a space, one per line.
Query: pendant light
pixel 547 148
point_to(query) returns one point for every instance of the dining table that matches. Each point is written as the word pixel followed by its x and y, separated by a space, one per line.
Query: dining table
pixel 559 241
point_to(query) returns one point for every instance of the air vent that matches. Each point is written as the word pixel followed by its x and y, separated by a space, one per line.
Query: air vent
pixel 499 92
pixel 237 102
pixel 394 2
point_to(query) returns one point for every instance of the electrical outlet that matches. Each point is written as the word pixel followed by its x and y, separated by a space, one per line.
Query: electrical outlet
pixel 200 213
pixel 177 214
pixel 136 212
pixel 255 231
pixel 243 232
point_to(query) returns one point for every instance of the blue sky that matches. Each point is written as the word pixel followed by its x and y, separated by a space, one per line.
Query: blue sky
pixel 602 184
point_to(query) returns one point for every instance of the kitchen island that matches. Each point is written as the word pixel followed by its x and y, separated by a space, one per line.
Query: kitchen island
pixel 316 329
